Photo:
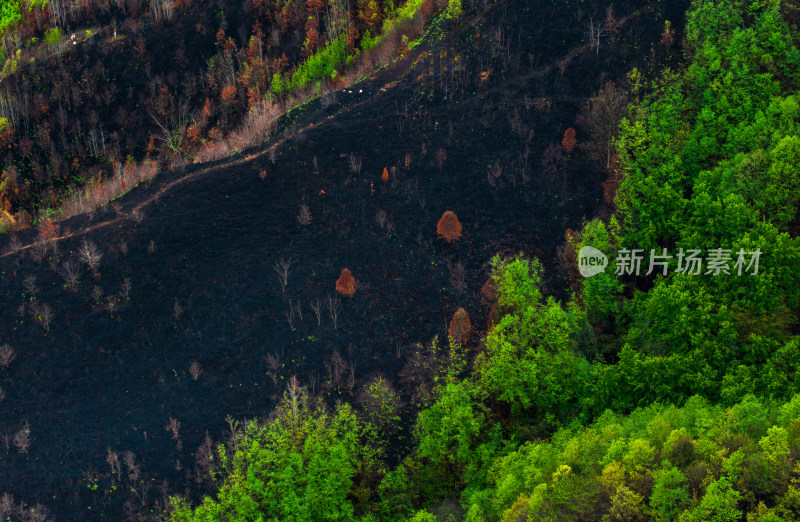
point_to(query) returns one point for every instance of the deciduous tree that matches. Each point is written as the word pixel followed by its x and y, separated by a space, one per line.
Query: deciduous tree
pixel 346 284
pixel 460 326
pixel 449 227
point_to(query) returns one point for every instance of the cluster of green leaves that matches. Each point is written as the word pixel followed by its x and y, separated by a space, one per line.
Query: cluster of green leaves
pixel 710 159
pixel 692 463
pixel 11 12
pixel 306 464
pixel 323 64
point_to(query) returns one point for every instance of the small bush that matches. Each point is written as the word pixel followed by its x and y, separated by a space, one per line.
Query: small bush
pixel 460 326
pixel 449 227
pixel 52 36
pixel 346 284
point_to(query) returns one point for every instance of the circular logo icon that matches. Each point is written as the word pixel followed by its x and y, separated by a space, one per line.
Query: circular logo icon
pixel 591 261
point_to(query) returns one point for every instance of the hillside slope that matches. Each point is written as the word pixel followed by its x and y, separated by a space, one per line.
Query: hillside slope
pixel 462 123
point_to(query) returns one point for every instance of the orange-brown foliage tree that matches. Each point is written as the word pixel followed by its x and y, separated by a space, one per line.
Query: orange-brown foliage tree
pixel 385 175
pixel 346 284
pixel 460 326
pixel 449 227
pixel 229 94
pixel 193 134
pixel 569 142
pixel 48 230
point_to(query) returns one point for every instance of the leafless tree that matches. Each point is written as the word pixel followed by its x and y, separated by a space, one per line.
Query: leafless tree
pixel 595 31
pixel 600 117
pixel 14 244
pixel 332 303
pixel 174 427
pixel 355 164
pixel 137 215
pixel 174 129
pixel 112 459
pixel 289 314
pixel 304 217
pixel 458 278
pixel 97 294
pixel 123 248
pixel 133 468
pixel 204 457
pixel 380 217
pixel 29 285
pixel 70 273
pixel 273 365
pixel 195 370
pixel 151 247
pixel 351 382
pixel 7 355
pixel 7 506
pixel 494 174
pixel 22 438
pixel 441 157
pixel 38 251
pixel 281 267
pixel 125 288
pixel 46 316
pixel 553 160
pixel 90 254
pixel 316 306
pixel 2 398
pixel 177 310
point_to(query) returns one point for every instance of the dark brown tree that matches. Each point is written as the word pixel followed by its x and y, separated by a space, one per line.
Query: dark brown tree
pixel 600 118
pixel 553 160
pixel 569 142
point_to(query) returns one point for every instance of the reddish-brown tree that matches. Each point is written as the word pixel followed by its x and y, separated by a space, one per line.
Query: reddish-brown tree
pixel 207 110
pixel 229 94
pixel 668 35
pixel 460 326
pixel 449 227
pixel 215 134
pixel 312 36
pixel 48 230
pixel 193 134
pixel 6 135
pixel 369 12
pixel 569 142
pixel 346 284
pixel 385 175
